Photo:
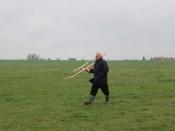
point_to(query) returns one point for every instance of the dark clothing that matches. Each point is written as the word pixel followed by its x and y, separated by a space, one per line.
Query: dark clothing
pixel 100 77
pixel 100 72
pixel 104 89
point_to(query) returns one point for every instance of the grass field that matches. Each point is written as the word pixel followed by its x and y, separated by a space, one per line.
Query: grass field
pixel 34 97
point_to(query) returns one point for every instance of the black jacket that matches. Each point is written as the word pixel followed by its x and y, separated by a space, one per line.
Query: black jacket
pixel 100 72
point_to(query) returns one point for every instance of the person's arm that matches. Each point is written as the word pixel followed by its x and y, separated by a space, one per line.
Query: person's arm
pixel 105 69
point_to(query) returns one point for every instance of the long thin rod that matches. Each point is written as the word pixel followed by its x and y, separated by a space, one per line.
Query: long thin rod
pixel 82 70
pixel 81 67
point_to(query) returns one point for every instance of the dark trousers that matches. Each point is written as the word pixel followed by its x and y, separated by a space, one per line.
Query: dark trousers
pixel 95 88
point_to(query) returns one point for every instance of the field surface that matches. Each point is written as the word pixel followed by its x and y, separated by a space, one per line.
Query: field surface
pixel 34 97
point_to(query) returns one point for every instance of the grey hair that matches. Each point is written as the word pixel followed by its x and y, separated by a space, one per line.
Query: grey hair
pixel 98 53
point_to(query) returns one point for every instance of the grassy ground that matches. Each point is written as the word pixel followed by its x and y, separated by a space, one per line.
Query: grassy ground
pixel 34 97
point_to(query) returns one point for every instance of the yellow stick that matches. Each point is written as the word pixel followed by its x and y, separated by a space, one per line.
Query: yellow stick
pixel 82 70
pixel 81 67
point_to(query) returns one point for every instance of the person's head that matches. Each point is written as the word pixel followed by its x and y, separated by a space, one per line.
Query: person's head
pixel 98 56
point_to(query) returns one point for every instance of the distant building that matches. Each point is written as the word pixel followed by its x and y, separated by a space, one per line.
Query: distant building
pixel 162 58
pixel 72 59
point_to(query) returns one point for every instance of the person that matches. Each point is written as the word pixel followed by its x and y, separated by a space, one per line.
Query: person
pixel 100 79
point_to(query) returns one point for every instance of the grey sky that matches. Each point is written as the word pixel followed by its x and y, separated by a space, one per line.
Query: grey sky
pixel 125 29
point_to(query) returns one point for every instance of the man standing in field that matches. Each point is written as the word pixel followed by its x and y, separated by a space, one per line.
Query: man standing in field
pixel 100 79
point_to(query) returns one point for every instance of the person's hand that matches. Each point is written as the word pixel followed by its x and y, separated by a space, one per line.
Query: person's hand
pixel 86 69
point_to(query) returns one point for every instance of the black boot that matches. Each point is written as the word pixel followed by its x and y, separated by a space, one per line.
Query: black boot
pixel 91 98
pixel 107 99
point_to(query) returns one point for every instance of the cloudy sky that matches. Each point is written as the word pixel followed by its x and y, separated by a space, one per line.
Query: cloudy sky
pixel 125 29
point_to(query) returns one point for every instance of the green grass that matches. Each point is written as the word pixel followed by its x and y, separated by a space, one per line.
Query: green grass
pixel 34 97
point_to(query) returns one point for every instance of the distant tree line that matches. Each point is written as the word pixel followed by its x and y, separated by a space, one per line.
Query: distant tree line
pixel 37 57
pixel 33 57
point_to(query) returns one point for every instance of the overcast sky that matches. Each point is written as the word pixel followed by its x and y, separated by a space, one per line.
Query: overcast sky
pixel 125 29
